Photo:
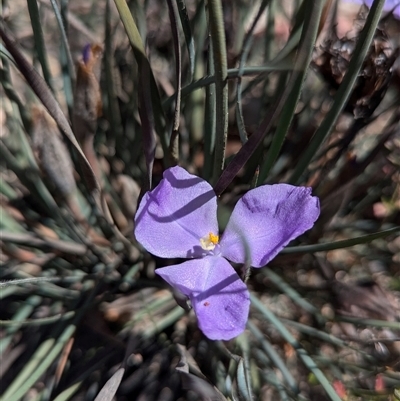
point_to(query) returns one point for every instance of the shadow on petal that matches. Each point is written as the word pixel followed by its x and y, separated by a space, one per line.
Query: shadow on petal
pixel 219 288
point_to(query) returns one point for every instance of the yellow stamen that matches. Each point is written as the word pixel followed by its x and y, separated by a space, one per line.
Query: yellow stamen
pixel 209 241
pixel 213 238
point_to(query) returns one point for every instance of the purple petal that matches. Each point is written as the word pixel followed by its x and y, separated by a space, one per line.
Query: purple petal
pixel 218 295
pixel 172 218
pixel 265 220
pixel 86 53
pixel 389 6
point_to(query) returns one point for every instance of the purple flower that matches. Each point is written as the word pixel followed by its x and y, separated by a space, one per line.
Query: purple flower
pixel 178 219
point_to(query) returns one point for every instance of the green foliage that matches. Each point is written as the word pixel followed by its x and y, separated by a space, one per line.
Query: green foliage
pixel 241 93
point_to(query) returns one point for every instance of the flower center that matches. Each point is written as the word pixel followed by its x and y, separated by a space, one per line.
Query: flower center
pixel 209 241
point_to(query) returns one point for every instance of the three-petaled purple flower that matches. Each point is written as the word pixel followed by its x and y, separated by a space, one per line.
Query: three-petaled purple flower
pixel 178 219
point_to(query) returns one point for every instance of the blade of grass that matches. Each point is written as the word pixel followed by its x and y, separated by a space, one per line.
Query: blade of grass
pixel 8 222
pixel 27 171
pixel 309 36
pixel 31 280
pixel 313 332
pixel 217 32
pixel 49 350
pixel 233 73
pixel 344 91
pixel 108 391
pixel 151 112
pixel 307 360
pixel 17 319
pixel 195 104
pixel 97 363
pixel 5 54
pixel 209 124
pixel 285 57
pixel 270 376
pixel 363 239
pixel 6 189
pixel 69 392
pixel 46 354
pixel 23 153
pixel 187 31
pixel 269 42
pixel 369 322
pixel 248 40
pixel 40 47
pixel 168 320
pixel 7 292
pixel 37 322
pixel 174 140
pixel 269 120
pixel 65 52
pixel 291 292
pixel 274 357
pixel 9 89
pixel 243 370
pixel 28 369
pixel 273 381
pixel 113 106
pixel 67 247
pixel 41 89
pixel 149 309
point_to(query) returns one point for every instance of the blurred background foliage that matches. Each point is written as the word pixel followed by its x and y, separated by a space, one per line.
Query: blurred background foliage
pixel 99 97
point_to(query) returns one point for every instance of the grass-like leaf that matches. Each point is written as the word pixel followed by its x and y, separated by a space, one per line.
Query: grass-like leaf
pixel 344 90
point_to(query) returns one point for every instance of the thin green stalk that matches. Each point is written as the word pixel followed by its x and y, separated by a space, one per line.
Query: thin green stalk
pixel 273 380
pixel 9 89
pixel 174 139
pixel 285 65
pixel 344 91
pixel 195 105
pixel 45 355
pixel 274 357
pixel 291 293
pixel 247 42
pixel 49 351
pixel 256 139
pixel 150 308
pixel 369 322
pixel 313 332
pixel 218 40
pixel 17 320
pixel 37 322
pixel 113 106
pixel 308 36
pixel 67 53
pixel 7 190
pixel 164 322
pixel 307 360
pixel 129 278
pixel 69 392
pixel 270 32
pixel 41 89
pixel 7 292
pixel 209 123
pixel 187 31
pixel 363 239
pixel 151 112
pixel 243 371
pixel 8 222
pixel 40 47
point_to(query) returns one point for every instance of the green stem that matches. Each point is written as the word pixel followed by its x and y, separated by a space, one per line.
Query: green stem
pixel 217 31
pixel 344 91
